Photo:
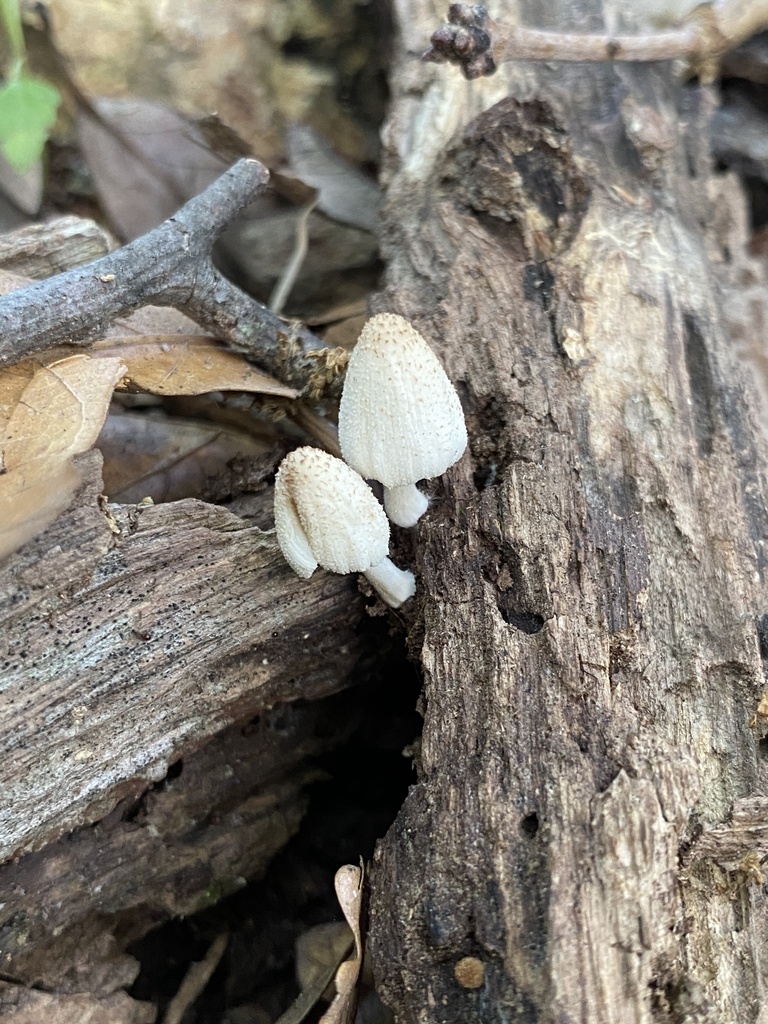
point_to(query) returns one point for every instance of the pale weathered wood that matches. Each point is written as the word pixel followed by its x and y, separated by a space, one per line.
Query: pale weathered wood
pixel 593 569
pixel 129 636
pixel 26 1006
pixel 41 250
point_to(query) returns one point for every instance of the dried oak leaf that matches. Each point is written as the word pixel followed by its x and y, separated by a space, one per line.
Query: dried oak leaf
pixel 171 364
pixel 166 458
pixel 48 414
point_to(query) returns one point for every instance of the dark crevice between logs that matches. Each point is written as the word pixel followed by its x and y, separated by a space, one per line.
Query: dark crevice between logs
pixel 364 782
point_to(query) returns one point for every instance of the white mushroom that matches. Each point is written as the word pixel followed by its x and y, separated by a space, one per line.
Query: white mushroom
pixel 400 419
pixel 325 514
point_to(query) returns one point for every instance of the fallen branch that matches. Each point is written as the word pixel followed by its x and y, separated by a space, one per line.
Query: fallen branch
pixel 171 266
pixel 478 44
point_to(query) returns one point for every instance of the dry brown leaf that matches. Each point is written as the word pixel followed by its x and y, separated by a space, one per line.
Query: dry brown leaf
pixel 30 499
pixel 321 949
pixel 47 415
pixel 61 411
pixel 24 188
pixel 146 159
pixel 346 193
pixel 171 364
pixel 166 459
pixel 154 320
pixel 14 380
pixel 349 890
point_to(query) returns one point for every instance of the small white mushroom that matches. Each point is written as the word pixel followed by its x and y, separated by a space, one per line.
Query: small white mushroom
pixel 325 514
pixel 400 419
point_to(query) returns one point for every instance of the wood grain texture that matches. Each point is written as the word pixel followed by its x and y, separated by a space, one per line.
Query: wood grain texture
pixel 594 568
pixel 131 635
pixel 40 250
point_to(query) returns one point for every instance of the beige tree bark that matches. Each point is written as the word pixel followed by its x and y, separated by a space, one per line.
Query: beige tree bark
pixel 586 837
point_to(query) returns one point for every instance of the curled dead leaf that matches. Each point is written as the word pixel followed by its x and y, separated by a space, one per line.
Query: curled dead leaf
pixel 48 414
pixel 349 891
pixel 170 364
pixel 61 410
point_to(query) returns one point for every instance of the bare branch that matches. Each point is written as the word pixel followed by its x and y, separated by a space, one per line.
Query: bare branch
pixel 478 44
pixel 171 266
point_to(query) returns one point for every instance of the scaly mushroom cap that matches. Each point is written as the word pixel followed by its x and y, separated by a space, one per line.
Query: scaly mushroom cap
pixel 400 419
pixel 325 514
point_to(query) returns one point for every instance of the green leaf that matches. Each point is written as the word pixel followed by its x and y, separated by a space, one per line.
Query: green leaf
pixel 27 113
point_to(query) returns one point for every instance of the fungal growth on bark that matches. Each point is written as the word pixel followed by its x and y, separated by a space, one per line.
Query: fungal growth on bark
pixel 400 419
pixel 327 515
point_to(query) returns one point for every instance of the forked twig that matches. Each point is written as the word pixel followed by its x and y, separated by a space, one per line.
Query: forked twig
pixel 171 266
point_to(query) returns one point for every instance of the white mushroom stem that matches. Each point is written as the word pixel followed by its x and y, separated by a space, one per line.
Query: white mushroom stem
pixel 394 585
pixel 405 505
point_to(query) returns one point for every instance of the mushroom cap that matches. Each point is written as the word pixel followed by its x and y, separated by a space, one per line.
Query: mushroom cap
pixel 400 419
pixel 325 514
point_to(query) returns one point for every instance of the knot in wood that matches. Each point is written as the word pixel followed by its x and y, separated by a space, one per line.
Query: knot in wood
pixel 515 165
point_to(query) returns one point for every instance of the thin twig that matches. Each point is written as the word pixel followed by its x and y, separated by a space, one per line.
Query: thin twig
pixel 287 280
pixel 171 266
pixel 195 980
pixel 478 44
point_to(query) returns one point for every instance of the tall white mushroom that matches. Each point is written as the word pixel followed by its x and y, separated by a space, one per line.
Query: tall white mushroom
pixel 400 419
pixel 325 514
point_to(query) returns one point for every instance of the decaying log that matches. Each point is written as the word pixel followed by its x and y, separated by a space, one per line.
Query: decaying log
pixel 28 1006
pixel 130 635
pixel 594 568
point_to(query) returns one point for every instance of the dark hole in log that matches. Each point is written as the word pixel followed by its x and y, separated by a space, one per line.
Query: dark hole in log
pixel 762 636
pixel 485 476
pixel 528 622
pixel 530 824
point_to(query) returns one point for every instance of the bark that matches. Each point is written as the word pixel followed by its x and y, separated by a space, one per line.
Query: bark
pixel 164 851
pixel 40 250
pixel 585 840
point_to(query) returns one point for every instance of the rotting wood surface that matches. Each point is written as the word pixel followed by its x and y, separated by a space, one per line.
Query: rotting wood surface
pixel 593 569
pixel 129 639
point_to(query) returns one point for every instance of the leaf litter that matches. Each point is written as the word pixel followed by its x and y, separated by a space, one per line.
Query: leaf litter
pixel 53 407
pixel 54 414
